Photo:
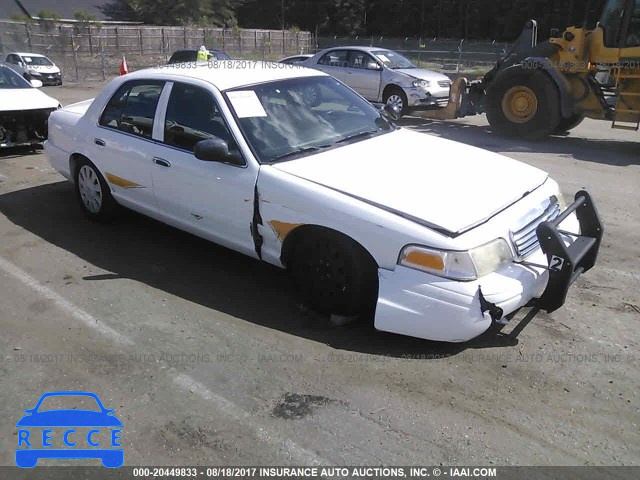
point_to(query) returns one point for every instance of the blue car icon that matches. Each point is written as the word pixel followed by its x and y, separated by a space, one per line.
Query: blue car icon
pixel 33 446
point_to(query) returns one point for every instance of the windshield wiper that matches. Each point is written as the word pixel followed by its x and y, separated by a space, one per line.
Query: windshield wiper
pixel 366 133
pixel 297 152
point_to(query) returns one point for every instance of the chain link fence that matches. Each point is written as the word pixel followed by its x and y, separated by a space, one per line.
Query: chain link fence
pixel 94 52
pixel 443 55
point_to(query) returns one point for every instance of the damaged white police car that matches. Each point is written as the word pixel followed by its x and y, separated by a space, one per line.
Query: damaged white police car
pixel 434 238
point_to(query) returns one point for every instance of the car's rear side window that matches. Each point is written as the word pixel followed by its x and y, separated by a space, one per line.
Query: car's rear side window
pixel 133 107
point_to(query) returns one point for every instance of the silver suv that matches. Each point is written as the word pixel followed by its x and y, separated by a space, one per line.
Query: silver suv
pixel 382 75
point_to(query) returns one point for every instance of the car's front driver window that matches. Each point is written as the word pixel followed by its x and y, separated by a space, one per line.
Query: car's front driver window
pixel 192 115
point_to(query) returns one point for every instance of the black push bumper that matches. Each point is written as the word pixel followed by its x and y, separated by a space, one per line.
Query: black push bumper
pixel 566 264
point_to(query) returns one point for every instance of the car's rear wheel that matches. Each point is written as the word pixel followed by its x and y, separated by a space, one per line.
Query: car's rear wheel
pixel 332 273
pixel 93 192
pixel 396 96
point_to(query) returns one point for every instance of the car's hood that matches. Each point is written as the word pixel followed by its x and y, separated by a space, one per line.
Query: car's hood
pixel 45 68
pixel 25 99
pixel 423 74
pixel 437 182
pixel 69 418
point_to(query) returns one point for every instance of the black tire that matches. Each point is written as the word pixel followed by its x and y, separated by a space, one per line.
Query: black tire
pixel 523 104
pixel 402 102
pixel 87 176
pixel 567 124
pixel 332 273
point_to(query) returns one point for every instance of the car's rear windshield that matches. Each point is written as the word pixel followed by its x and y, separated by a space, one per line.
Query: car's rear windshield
pixel 37 60
pixel 10 79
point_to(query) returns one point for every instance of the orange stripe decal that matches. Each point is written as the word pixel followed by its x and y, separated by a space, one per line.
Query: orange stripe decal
pixel 282 229
pixel 122 182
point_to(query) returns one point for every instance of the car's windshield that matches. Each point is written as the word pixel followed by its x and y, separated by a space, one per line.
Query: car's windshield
pixel 69 402
pixel 37 61
pixel 393 60
pixel 10 79
pixel 290 118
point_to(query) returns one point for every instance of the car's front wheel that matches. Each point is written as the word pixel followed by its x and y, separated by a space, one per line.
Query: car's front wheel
pixel 332 273
pixel 93 192
pixel 396 96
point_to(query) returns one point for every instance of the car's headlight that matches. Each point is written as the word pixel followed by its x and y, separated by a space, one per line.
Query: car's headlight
pixel 467 265
pixel 421 83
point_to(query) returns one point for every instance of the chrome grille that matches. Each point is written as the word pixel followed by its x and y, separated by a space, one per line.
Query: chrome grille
pixel 444 83
pixel 525 239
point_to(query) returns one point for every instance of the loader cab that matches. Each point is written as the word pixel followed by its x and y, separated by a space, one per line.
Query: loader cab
pixel 620 22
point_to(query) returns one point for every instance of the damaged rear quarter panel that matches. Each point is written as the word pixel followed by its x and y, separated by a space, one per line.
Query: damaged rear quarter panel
pixel 287 202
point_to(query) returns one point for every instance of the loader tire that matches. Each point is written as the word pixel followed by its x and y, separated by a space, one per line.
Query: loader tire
pixel 567 124
pixel 523 104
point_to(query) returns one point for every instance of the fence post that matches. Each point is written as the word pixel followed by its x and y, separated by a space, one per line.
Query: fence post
pixel 90 40
pixel 117 41
pixel 140 38
pixel 223 41
pixel 184 32
pixel 26 27
pixel 1 42
pixel 284 41
pixel 104 73
pixel 459 56
pixel 162 49
pixel 75 55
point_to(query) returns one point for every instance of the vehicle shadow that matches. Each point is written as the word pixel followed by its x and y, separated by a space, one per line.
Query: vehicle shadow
pixel 138 248
pixel 568 145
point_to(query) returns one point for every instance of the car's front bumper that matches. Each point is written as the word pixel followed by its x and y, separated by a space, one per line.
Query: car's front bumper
pixel 421 99
pixel 51 78
pixel 426 306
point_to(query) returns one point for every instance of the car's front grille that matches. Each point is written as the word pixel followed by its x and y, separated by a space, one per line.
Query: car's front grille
pixel 444 83
pixel 525 240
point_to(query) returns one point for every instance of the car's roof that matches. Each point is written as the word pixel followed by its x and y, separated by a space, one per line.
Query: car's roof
pixel 227 75
pixel 27 54
pixel 356 47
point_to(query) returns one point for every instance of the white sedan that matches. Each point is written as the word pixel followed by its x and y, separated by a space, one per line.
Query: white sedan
pixel 433 238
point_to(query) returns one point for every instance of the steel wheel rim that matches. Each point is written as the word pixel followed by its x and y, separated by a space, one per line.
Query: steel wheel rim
pixel 90 189
pixel 520 104
pixel 396 100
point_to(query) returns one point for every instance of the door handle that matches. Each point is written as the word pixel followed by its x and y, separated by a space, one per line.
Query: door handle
pixel 161 161
pixel 99 141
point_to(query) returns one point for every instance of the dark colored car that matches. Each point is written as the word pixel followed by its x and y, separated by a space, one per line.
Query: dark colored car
pixel 191 55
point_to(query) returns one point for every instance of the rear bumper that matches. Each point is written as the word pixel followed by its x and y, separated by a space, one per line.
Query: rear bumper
pixel 426 306
pixel 58 158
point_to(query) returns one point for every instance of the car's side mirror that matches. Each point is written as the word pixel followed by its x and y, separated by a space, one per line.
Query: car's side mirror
pixel 392 111
pixel 36 83
pixel 373 66
pixel 216 150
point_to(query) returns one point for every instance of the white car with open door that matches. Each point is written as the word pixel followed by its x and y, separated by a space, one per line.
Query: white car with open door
pixel 433 238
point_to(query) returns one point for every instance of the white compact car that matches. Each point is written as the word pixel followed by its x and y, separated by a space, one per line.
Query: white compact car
pixel 34 66
pixel 436 239
pixel 24 110
pixel 384 76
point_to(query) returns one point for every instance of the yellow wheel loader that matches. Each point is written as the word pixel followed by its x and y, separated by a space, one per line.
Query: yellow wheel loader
pixel 539 89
